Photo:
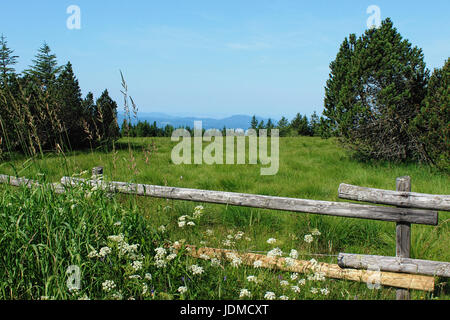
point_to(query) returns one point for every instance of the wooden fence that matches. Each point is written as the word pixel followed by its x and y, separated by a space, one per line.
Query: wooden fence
pixel 410 207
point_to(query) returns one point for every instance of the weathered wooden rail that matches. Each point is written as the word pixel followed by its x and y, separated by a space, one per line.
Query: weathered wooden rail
pixel 396 198
pixel 341 209
pixel 400 271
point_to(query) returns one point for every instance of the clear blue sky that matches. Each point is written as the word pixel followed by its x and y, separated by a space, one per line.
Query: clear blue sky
pixel 215 57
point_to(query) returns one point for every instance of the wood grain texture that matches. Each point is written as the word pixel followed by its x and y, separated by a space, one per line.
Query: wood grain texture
pixel 399 280
pixel 403 234
pixel 394 264
pixel 395 198
pixel 341 209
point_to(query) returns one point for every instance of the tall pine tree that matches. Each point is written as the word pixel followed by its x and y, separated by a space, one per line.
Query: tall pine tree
pixel 106 118
pixel 71 107
pixel 7 60
pixel 45 67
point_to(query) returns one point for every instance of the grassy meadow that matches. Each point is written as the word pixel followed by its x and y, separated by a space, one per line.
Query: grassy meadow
pixel 118 242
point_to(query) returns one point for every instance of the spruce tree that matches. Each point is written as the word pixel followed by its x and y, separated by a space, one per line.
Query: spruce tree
pixel 254 123
pixel 7 60
pixel 45 67
pixel 106 118
pixel 71 107
pixel 283 127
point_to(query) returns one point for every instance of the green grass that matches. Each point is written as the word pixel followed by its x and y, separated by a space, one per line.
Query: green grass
pixel 43 235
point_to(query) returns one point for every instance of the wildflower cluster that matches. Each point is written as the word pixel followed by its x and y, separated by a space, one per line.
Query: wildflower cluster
pixel 127 262
pixel 187 220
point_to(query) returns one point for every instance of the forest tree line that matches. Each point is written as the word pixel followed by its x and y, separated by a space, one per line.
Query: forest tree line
pixel 42 108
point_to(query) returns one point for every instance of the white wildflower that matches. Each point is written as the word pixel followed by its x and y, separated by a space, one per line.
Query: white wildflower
pixel 324 291
pixel 252 279
pixel 117 224
pixel 181 224
pixel 182 290
pixel 160 253
pixel 118 238
pixel 215 262
pixel 93 254
pixel 296 289
pixel 108 285
pixel 315 232
pixel 271 240
pixel 137 265
pixel 227 243
pixel 257 264
pixel 284 298
pixel 191 223
pixel 104 252
pixel 162 229
pixel 314 290
pixel 209 232
pixel 171 256
pixel 245 293
pixel 294 276
pixel 269 295
pixel 275 253
pixel 239 235
pixel 117 296
pixel 204 256
pixel 134 276
pixel 284 283
pixel 302 282
pixel 308 238
pixel 236 262
pixel 148 276
pixel 196 269
pixel 160 263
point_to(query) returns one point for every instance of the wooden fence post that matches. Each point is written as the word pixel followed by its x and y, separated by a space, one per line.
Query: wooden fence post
pixel 97 172
pixel 403 231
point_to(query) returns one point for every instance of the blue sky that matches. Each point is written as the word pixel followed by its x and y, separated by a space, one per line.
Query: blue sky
pixel 213 58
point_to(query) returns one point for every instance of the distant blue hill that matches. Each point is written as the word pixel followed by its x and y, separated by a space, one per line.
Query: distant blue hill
pixel 233 122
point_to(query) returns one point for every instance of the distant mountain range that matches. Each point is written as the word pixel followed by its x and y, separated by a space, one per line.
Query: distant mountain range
pixel 232 122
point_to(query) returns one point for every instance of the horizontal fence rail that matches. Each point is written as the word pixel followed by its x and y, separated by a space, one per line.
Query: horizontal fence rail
pixel 341 209
pixel 394 264
pixel 396 198
pixel 399 280
pixel 24 182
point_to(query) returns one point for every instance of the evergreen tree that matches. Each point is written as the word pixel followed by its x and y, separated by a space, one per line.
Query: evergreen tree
pixel 315 124
pixel 376 86
pixel 283 127
pixel 72 107
pixel 45 67
pixel 7 60
pixel 269 125
pixel 254 123
pixel 106 118
pixel 432 124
